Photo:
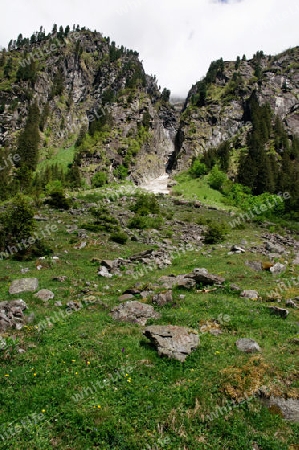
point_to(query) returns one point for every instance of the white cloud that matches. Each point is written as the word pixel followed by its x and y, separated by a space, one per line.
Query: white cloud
pixel 176 40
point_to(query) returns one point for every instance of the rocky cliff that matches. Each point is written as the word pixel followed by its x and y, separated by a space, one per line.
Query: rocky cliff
pixel 82 82
pixel 216 109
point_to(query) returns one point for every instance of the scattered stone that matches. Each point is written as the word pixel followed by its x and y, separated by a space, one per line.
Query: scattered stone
pixel 103 272
pixel 255 265
pixel 250 294
pixel 277 269
pixel 23 285
pixel 44 294
pixel 296 260
pixel 183 282
pixel 173 341
pixel 108 264
pixel 134 312
pixel 74 306
pixel 25 270
pixel 146 294
pixel 163 298
pixel 237 249
pixel 279 311
pixel 60 279
pixel 182 296
pixel 288 408
pixel 11 314
pixel 248 345
pixel 235 287
pixel 291 303
pixel 59 304
pixel 80 246
pixel 202 276
pixel 125 297
pixel 274 248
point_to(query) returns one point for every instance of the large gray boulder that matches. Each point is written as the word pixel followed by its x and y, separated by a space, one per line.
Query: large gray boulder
pixel 134 312
pixel 248 345
pixel 173 341
pixel 274 248
pixel 44 295
pixel 204 277
pixel 23 285
pixel 250 294
pixel 163 298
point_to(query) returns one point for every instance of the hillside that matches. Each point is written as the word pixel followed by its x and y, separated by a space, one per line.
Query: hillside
pixel 134 321
pixel 88 91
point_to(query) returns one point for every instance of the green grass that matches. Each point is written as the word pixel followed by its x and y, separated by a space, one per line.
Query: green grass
pixel 161 403
pixel 62 156
pixel 198 189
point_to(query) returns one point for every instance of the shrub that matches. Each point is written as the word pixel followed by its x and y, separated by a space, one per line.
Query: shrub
pixel 119 238
pixel 197 169
pixel 99 180
pixel 215 233
pixel 146 204
pixel 216 178
pixel 142 222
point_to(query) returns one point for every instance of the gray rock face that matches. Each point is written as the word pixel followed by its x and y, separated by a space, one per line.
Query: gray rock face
pixel 289 408
pixel 44 294
pixel 23 285
pixel 247 346
pixel 250 294
pixel 277 269
pixel 134 312
pixel 279 311
pixel 173 341
pixel 11 314
pixel 163 298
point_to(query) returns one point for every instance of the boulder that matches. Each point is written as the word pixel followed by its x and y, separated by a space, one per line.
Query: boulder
pixel 247 345
pixel 288 408
pixel 274 248
pixel 163 298
pixel 279 311
pixel 204 277
pixel 103 272
pixel 44 294
pixel 254 265
pixel 125 297
pixel 250 294
pixel 173 341
pixel 237 249
pixel 23 285
pixel 277 269
pixel 134 312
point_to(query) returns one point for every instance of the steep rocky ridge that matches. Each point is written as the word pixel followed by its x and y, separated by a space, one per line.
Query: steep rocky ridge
pixel 223 113
pixel 84 78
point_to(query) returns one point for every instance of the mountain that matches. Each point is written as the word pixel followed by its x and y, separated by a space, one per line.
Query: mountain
pixel 217 107
pixel 86 92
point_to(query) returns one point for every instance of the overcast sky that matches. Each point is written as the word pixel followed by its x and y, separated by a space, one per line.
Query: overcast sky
pixel 176 40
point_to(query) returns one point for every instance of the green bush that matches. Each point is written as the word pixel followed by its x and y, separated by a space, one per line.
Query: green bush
pixel 119 238
pixel 216 178
pixel 58 200
pixel 216 233
pixel 143 222
pixel 197 169
pixel 145 204
pixel 99 179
